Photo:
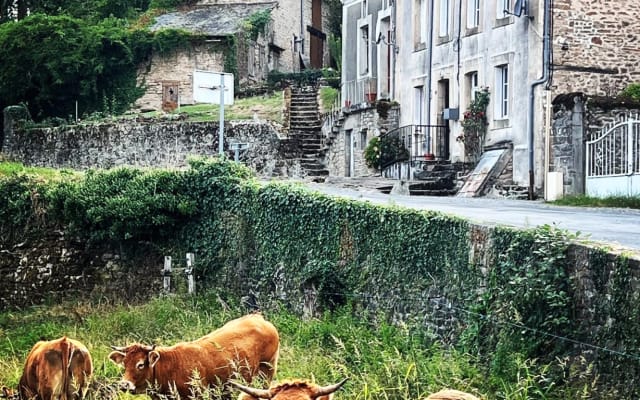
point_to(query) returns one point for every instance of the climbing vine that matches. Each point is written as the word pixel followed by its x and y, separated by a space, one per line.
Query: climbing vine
pixel 474 125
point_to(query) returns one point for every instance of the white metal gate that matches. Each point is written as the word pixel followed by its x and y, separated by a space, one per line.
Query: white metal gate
pixel 613 160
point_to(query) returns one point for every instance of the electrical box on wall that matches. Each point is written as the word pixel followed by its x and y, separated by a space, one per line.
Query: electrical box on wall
pixel 451 114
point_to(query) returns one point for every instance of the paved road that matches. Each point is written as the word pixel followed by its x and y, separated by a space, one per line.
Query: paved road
pixel 619 228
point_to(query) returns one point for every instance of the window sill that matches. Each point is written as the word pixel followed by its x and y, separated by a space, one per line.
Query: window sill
pixel 503 21
pixel 472 31
pixel 500 123
pixel 442 39
pixel 419 46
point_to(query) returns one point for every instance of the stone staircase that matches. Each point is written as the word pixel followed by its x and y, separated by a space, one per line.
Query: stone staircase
pixel 305 130
pixel 437 178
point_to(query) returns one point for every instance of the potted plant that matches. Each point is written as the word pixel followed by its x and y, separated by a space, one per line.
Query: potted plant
pixel 371 87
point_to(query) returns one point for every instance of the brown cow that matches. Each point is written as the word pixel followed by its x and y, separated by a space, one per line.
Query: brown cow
pixel 450 394
pixel 289 390
pixel 246 347
pixel 56 369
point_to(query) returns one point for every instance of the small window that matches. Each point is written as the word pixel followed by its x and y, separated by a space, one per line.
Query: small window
pixel 473 13
pixel 363 139
pixel 472 85
pixel 444 18
pixel 423 23
pixel 502 8
pixel 501 108
pixel 363 54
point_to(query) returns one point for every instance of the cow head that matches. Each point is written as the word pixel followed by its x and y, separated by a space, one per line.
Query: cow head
pixel 139 362
pixel 291 390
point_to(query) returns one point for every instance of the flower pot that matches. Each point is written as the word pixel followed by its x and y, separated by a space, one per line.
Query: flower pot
pixel 429 156
pixel 371 97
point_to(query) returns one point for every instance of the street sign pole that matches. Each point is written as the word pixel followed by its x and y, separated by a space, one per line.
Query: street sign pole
pixel 221 128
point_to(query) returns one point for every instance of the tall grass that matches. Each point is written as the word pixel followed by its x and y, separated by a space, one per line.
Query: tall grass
pixel 382 361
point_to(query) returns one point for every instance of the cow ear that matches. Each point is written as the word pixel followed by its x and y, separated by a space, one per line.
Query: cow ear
pixel 154 356
pixel 117 357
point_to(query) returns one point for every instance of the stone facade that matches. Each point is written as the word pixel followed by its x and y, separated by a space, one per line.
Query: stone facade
pixel 596 46
pixel 151 144
pixel 178 67
pixel 359 125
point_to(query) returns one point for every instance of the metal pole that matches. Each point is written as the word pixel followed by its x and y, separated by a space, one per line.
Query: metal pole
pixel 221 129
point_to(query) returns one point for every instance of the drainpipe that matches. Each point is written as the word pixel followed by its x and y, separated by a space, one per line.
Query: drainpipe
pixel 546 60
pixel 430 63
pixel 302 27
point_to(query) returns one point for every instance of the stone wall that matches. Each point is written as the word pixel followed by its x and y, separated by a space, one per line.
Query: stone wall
pixel 151 144
pixel 595 46
pixel 363 123
pixel 52 266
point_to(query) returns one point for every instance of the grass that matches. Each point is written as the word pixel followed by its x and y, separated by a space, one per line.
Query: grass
pixel 382 361
pixel 9 168
pixel 265 107
pixel 612 201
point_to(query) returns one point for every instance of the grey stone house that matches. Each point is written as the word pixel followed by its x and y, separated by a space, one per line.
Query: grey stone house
pixel 293 39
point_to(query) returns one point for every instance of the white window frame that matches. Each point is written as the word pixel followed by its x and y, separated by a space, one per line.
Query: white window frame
pixel 364 47
pixel 473 13
pixel 423 21
pixel 501 6
pixel 443 22
pixel 473 82
pixel 502 103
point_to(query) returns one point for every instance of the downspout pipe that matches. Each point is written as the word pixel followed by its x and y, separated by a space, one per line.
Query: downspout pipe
pixel 430 66
pixel 546 61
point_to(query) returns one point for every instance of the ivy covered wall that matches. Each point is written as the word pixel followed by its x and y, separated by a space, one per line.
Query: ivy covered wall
pixel 505 295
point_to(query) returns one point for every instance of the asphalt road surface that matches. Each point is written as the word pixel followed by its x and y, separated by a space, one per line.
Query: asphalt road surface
pixel 615 227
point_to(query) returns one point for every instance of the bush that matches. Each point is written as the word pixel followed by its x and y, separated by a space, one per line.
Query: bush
pixel 384 150
pixel 632 91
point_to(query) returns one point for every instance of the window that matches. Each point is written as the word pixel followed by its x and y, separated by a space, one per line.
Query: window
pixel 363 51
pixel 363 139
pixel 472 85
pixel 501 7
pixel 422 21
pixel 501 106
pixel 473 13
pixel 444 18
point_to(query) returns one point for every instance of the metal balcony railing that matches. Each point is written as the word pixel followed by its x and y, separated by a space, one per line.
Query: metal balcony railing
pixel 358 91
pixel 420 142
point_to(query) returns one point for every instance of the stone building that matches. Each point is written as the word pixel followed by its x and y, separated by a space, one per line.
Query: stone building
pixel 294 38
pixel 432 56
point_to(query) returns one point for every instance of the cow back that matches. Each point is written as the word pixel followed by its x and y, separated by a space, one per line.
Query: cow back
pixel 245 347
pixel 56 369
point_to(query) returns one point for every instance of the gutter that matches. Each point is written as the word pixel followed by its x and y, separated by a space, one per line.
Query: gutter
pixel 430 63
pixel 546 61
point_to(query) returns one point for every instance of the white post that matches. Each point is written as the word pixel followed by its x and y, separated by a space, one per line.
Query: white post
pixel 221 130
pixel 166 273
pixel 189 272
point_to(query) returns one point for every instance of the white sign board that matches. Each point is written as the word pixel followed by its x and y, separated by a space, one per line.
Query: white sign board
pixel 206 87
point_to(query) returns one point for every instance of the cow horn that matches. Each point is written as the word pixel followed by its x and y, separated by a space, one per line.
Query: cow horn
pixel 325 390
pixel 258 393
pixel 120 349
